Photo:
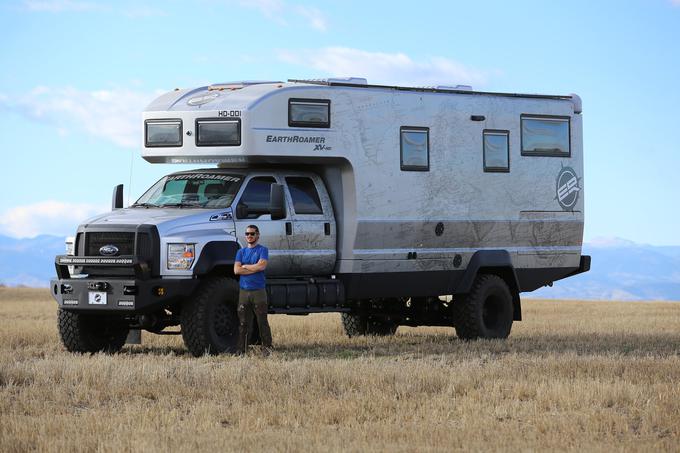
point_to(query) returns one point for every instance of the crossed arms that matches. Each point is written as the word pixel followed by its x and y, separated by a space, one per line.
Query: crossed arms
pixel 247 269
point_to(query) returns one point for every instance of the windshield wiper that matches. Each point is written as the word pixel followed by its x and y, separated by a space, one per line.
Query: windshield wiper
pixel 143 205
pixel 178 205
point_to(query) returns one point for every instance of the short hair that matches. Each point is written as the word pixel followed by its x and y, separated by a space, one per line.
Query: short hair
pixel 254 227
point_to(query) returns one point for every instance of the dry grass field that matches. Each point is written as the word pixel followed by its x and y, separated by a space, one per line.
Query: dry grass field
pixel 573 376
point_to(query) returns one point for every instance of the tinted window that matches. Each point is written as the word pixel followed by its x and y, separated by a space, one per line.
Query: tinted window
pixel 257 196
pixel 309 112
pixel 415 152
pixel 162 133
pixel 545 136
pixel 218 132
pixel 496 151
pixel 304 194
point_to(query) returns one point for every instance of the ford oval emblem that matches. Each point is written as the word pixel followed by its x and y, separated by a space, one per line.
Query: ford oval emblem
pixel 108 250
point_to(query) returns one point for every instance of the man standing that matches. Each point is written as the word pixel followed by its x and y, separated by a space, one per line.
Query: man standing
pixel 250 265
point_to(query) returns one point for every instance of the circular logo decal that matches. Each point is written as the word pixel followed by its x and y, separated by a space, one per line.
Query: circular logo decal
pixel 567 188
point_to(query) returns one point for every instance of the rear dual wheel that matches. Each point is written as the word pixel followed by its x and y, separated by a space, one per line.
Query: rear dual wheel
pixel 357 324
pixel 487 311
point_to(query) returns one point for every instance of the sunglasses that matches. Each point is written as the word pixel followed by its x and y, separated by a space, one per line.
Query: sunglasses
pixel 248 233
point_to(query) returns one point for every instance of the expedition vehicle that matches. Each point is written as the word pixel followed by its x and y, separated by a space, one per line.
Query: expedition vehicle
pixel 391 205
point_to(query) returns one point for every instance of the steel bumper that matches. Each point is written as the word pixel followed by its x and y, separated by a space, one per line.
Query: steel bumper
pixel 119 295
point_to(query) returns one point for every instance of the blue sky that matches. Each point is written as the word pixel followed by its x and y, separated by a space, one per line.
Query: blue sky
pixel 77 74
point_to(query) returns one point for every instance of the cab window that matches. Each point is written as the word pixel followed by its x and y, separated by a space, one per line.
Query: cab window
pixel 256 196
pixel 305 197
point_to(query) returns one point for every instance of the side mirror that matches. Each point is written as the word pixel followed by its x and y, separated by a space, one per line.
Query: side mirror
pixel 242 211
pixel 117 201
pixel 277 206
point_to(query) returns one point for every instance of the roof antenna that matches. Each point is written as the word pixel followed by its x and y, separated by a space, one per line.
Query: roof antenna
pixel 132 159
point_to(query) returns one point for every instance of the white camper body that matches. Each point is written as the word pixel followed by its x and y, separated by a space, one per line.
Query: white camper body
pixel 387 213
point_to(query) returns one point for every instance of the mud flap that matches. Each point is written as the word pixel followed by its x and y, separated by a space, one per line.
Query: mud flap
pixel 134 337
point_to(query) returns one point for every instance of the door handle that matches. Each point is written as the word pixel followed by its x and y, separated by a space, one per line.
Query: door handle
pixel 327 228
pixel 289 228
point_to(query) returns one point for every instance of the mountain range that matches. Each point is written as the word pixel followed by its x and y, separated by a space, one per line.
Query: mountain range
pixel 621 269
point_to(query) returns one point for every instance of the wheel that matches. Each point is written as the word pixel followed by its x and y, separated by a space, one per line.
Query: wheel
pixel 486 312
pixel 209 320
pixel 81 332
pixel 356 324
pixel 381 328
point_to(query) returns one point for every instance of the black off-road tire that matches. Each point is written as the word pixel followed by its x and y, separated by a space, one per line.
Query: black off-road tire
pixel 354 324
pixel 357 324
pixel 487 311
pixel 87 333
pixel 209 319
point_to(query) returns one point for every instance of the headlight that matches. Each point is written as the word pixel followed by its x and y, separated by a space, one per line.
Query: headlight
pixel 70 246
pixel 180 256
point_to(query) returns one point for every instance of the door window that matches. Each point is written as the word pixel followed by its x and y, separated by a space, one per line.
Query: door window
pixel 305 197
pixel 257 195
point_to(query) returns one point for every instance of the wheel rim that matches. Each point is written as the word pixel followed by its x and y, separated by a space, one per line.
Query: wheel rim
pixel 223 323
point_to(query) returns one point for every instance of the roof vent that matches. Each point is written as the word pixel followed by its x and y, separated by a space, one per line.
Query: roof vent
pixel 454 88
pixel 352 80
pixel 334 80
pixel 237 85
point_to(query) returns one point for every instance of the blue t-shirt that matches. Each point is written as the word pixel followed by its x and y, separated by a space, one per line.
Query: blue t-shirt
pixel 252 256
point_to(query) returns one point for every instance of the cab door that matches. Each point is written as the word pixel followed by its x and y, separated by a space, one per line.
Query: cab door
pixel 255 196
pixel 313 225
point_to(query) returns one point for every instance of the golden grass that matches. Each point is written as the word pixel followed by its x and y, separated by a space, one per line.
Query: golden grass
pixel 573 376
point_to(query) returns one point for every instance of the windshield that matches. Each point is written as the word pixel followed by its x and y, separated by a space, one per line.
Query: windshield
pixel 192 190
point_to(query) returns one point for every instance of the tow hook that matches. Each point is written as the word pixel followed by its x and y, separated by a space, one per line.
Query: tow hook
pixel 98 286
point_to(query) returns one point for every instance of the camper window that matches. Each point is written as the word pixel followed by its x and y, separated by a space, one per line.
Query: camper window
pixel 415 148
pixel 545 136
pixel 304 195
pixel 309 113
pixel 218 132
pixel 162 133
pixel 496 151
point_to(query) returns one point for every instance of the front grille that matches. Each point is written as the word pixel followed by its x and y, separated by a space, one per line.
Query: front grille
pixel 125 241
pixel 144 245
pixel 141 241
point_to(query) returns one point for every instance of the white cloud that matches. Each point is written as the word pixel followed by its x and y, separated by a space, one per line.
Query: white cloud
pixel 385 68
pixel 46 217
pixel 271 9
pixel 316 18
pixel 143 11
pixel 58 6
pixel 110 114
pixel 284 13
pixel 79 6
pixel 675 2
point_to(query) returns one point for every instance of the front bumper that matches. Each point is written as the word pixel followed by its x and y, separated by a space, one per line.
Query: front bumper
pixel 135 293
pixel 119 295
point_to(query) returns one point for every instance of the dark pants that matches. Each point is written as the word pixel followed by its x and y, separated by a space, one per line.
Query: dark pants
pixel 249 303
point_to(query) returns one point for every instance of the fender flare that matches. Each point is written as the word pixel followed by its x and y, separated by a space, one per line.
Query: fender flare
pixel 216 254
pixel 496 262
